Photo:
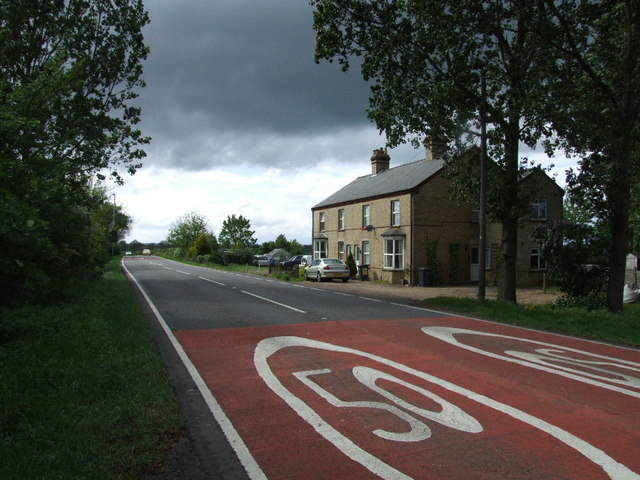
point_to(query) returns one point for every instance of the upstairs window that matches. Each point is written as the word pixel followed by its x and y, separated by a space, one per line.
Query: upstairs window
pixel 322 222
pixel 395 213
pixel 539 210
pixel 366 215
pixel 341 219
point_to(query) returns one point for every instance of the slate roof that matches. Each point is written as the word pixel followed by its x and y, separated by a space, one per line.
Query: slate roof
pixel 393 180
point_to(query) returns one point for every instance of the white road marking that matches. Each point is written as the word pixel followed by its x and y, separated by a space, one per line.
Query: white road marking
pixel 184 273
pixel 269 346
pixel 543 361
pixel 244 455
pixel 274 302
pixel 371 299
pixel 212 281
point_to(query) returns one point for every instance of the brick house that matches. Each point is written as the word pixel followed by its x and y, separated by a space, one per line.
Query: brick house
pixel 397 220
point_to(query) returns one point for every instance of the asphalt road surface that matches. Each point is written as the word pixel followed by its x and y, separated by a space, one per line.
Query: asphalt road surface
pixel 312 383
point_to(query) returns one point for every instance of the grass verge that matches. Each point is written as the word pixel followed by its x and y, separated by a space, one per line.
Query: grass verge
pixel 593 324
pixel 83 391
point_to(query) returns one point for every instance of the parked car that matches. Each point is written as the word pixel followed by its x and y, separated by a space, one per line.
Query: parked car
pixel 146 251
pixel 260 260
pixel 327 269
pixel 293 262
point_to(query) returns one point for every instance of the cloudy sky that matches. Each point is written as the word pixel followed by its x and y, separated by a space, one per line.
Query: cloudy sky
pixel 243 121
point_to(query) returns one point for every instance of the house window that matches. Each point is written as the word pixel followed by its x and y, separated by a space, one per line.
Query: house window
pixel 394 253
pixel 537 262
pixel 366 253
pixel 323 219
pixel 319 249
pixel 395 213
pixel 341 250
pixel 366 215
pixel 539 210
pixel 341 219
pixel 348 250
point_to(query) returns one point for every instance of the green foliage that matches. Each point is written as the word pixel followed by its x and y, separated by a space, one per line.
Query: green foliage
pixel 236 233
pixel 351 263
pixel 291 246
pixel 576 262
pixel 84 390
pixel 68 72
pixel 186 230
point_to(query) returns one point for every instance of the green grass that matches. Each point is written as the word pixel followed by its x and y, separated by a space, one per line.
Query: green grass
pixel 83 391
pixel 593 324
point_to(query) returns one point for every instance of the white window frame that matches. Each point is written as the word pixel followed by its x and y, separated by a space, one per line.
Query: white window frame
pixel 393 253
pixel 341 251
pixel 539 210
pixel 341 219
pixel 319 249
pixel 366 215
pixel 322 221
pixel 395 213
pixel 536 254
pixel 366 252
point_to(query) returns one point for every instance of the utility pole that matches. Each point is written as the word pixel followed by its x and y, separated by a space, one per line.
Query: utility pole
pixel 113 223
pixel 483 189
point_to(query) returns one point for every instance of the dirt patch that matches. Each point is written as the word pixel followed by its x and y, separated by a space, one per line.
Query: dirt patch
pixel 364 288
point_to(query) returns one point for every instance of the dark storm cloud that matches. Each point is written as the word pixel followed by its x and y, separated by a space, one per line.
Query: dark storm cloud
pixel 234 81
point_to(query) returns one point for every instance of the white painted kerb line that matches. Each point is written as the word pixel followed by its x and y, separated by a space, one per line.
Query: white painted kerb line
pixel 274 302
pixel 251 466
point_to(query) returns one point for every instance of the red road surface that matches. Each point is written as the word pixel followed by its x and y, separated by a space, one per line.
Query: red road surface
pixel 393 399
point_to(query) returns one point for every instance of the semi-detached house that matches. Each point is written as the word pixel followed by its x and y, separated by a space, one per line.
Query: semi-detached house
pixel 399 220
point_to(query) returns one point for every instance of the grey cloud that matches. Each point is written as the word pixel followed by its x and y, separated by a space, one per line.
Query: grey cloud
pixel 221 73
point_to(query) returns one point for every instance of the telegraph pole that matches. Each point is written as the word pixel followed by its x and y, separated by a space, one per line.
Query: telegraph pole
pixel 483 189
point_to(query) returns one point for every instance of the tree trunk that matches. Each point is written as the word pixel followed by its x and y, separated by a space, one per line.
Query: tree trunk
pixel 619 197
pixel 510 217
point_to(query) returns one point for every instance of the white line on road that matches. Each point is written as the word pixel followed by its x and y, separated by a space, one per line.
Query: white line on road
pixel 184 273
pixel 371 299
pixel 273 301
pixel 236 442
pixel 212 281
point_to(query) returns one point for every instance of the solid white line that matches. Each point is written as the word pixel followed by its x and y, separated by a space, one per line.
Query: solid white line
pixel 212 281
pixel 273 301
pixel 244 455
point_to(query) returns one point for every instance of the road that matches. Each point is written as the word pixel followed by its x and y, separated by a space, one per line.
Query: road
pixel 308 382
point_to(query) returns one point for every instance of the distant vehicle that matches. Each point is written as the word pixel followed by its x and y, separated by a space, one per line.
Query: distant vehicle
pixel 260 260
pixel 293 262
pixel 327 269
pixel 146 251
pixel 306 260
pixel 128 253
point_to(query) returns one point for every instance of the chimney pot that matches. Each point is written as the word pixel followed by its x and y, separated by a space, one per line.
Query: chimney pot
pixel 379 160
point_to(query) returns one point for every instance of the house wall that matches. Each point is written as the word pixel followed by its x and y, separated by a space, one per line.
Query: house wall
pixel 430 220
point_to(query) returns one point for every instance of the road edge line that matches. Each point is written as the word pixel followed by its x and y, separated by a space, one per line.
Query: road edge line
pixel 233 437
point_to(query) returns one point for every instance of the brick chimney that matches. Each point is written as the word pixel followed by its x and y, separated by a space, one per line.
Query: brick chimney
pixel 379 161
pixel 434 148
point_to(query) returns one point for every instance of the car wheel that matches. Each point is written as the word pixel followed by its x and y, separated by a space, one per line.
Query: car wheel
pixel 319 277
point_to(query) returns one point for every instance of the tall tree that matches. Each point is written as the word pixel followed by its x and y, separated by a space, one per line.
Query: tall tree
pixel 236 233
pixel 68 73
pixel 595 110
pixel 184 232
pixel 425 61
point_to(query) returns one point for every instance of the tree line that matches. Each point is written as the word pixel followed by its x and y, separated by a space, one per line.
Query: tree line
pixel 69 72
pixel 191 236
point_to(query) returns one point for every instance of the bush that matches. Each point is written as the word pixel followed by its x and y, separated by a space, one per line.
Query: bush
pixel 351 263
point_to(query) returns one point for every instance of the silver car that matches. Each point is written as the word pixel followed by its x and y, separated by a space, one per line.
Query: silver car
pixel 327 269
